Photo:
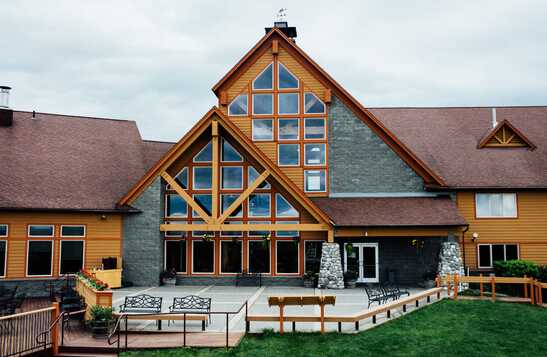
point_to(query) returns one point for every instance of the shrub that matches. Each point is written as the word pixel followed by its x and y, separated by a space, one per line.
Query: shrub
pixel 516 268
pixel 100 313
pixel 542 275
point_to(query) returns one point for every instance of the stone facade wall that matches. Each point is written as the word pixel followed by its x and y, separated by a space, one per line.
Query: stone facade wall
pixel 330 271
pixel 143 241
pixel 359 161
pixel 450 259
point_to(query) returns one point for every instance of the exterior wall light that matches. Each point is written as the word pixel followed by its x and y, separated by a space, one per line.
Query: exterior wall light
pixel 475 236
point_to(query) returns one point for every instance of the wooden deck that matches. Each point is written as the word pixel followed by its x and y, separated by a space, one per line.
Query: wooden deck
pixel 35 304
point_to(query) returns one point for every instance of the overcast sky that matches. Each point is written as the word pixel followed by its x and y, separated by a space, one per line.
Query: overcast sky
pixel 156 61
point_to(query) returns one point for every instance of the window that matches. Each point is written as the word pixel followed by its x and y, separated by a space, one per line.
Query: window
pixel 288 154
pixel 259 205
pixel 175 255
pixel 205 201
pixel 312 256
pixel 206 154
pixel 239 105
pixel 231 233
pixel 496 205
pixel 229 154
pixel 265 79
pixel 175 206
pixel 253 175
pixel 203 178
pixel 286 80
pixel 314 154
pixel 3 230
pixel 288 103
pixel 232 177
pixel 491 253
pixel 175 233
pixel 287 233
pixel 283 208
pixel 203 257
pixel 73 231
pixel 315 181
pixel 72 256
pixel 258 233
pixel 262 129
pixel 231 256
pixel 287 257
pixel 39 258
pixel 3 257
pixel 262 103
pixel 181 179
pixel 259 256
pixel 288 129
pixel 312 104
pixel 314 128
pixel 35 230
pixel 226 202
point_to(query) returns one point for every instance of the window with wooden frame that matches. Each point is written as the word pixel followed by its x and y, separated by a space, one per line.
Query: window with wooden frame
pixel 4 230
pixel 496 205
pixel 71 257
pixel 175 255
pixel 73 231
pixel 488 254
pixel 41 230
pixel 3 258
pixel 39 258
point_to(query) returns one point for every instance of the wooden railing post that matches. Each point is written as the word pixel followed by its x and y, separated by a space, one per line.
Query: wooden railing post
pixel 448 287
pixel 456 282
pixel 540 293
pixel 55 329
pixel 438 281
pixel 532 293
pixel 322 318
pixel 481 287
pixel 493 283
pixel 525 287
pixel 281 307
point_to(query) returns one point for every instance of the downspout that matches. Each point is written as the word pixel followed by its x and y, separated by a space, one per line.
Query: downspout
pixel 463 244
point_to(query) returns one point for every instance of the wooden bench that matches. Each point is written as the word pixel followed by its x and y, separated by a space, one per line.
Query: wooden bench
pixel 192 304
pixel 142 304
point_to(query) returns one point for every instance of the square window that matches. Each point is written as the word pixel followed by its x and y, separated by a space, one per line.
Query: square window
pixel 315 181
pixel 288 129
pixel 288 154
pixel 287 259
pixel 203 177
pixel 253 175
pixel 287 233
pixel 259 205
pixel 72 257
pixel 175 206
pixel 205 201
pixel 288 103
pixel 314 128
pixel 232 177
pixel 226 202
pixel 3 230
pixel 238 106
pixel 262 129
pixel 259 256
pixel 175 255
pixel 231 256
pixel 314 154
pixel 203 256
pixel 40 230
pixel 73 231
pixel 3 257
pixel 262 103
pixel 39 258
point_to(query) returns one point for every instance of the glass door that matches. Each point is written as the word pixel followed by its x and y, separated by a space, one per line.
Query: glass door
pixel 363 259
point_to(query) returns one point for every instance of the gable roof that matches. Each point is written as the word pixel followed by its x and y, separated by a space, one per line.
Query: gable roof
pixel 429 176
pixel 446 139
pixel 516 139
pixel 69 162
pixel 199 128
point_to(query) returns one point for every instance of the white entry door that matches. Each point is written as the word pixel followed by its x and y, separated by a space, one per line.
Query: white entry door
pixel 363 259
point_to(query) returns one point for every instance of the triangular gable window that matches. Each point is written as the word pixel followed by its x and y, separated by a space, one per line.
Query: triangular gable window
pixel 286 79
pixel 239 105
pixel 253 175
pixel 265 79
pixel 205 155
pixel 283 208
pixel 181 179
pixel 313 105
pixel 506 136
pixel 229 154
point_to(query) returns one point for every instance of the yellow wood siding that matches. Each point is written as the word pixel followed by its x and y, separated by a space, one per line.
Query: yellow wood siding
pixel 528 230
pixel 103 237
pixel 296 174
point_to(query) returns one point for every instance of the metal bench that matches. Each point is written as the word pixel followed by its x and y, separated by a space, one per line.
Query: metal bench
pixel 192 304
pixel 375 293
pixel 393 291
pixel 249 279
pixel 142 304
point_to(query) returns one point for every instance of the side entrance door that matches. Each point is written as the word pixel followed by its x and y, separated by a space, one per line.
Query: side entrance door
pixel 363 259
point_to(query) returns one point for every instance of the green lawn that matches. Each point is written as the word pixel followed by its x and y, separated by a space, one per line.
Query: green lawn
pixel 447 328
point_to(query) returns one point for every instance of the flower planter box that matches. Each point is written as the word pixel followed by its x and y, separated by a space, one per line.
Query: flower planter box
pixel 113 277
pixel 93 297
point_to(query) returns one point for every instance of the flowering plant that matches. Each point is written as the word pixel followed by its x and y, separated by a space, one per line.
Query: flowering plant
pixel 91 281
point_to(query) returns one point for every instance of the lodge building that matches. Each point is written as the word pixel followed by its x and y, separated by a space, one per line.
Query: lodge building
pixel 286 169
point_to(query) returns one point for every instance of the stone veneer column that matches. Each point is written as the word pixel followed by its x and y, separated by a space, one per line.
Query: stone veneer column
pixel 331 275
pixel 450 260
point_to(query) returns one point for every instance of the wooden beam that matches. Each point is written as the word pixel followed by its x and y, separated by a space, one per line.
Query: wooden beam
pixel 330 236
pixel 175 186
pixel 303 227
pixel 215 183
pixel 243 196
pixel 275 47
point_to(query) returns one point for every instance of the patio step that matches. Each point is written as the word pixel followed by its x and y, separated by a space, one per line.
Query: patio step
pixel 75 351
pixel 84 354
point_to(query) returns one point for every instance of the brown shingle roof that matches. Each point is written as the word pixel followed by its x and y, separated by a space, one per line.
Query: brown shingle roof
pixel 447 140
pixel 391 211
pixel 69 162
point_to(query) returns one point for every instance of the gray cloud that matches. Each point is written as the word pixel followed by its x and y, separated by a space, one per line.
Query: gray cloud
pixel 156 61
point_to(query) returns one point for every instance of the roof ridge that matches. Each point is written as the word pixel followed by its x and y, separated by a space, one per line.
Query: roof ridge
pixel 75 116
pixel 463 107
pixel 159 141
